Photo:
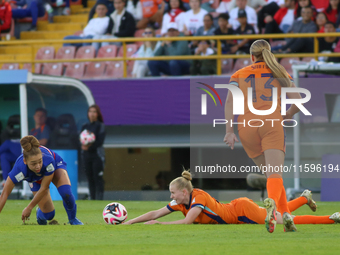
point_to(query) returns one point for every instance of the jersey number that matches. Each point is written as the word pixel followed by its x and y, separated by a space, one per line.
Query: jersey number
pixel 267 85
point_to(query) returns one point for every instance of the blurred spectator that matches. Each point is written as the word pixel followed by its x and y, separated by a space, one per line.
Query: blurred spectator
pixel 5 17
pixel 268 10
pixel 151 13
pixel 193 19
pixel 66 11
pixel 124 25
pixel 328 44
pixel 255 4
pixel 148 49
pixel 321 20
pixel 283 19
pixel 224 29
pixel 107 3
pixel 10 150
pixel 306 25
pixel 96 26
pixel 332 10
pixel 204 66
pixel 243 46
pixel 135 8
pixel 251 15
pixel 171 48
pixel 208 27
pixel 174 14
pixel 301 4
pixel 30 8
pixel 41 131
pixel 93 154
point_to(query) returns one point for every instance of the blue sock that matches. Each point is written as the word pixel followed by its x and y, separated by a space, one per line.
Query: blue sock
pixel 68 201
pixel 45 216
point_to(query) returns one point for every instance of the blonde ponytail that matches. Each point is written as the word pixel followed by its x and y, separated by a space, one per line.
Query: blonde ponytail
pixel 261 51
pixel 30 145
pixel 183 182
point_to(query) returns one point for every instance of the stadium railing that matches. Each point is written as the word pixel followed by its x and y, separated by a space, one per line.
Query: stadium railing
pixel 218 56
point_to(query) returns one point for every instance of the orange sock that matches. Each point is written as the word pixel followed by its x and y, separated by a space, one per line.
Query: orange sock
pixel 308 219
pixel 283 205
pixel 297 203
pixel 274 187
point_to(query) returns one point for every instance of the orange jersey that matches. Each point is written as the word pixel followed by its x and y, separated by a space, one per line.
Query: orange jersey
pixel 259 77
pixel 214 212
pixel 150 7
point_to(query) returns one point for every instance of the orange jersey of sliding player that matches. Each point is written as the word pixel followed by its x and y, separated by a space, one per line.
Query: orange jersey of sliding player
pixel 259 77
pixel 241 210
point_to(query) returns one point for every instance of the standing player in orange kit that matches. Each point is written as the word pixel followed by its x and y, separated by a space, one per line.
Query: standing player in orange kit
pixel 265 144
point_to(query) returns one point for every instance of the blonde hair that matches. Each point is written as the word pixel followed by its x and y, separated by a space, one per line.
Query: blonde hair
pixel 183 182
pixel 261 51
pixel 30 144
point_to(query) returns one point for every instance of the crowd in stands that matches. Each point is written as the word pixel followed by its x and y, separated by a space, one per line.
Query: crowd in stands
pixel 111 19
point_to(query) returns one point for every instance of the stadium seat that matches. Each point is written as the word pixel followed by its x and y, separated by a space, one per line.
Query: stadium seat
pixel 139 33
pixel 27 66
pixel 277 43
pixel 130 65
pixel 227 66
pixel 53 69
pixel 114 69
pixel 287 64
pixel 95 70
pixel 75 70
pixel 240 63
pixel 29 19
pixel 109 51
pixel 130 50
pixel 307 59
pixel 86 52
pixel 10 66
pixel 46 52
pixel 66 52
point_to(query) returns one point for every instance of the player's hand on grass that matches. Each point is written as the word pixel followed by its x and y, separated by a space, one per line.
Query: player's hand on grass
pixel 151 222
pixel 127 223
pixel 230 139
pixel 26 214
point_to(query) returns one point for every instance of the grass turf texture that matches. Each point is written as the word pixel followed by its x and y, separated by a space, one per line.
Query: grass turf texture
pixel 96 237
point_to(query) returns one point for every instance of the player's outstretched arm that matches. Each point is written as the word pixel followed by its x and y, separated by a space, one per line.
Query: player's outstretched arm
pixel 43 191
pixel 230 138
pixel 9 186
pixel 189 219
pixel 152 215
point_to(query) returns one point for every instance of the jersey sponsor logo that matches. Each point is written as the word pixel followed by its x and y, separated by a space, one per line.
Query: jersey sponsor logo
pixel 19 177
pixel 50 168
pixel 173 202
pixel 193 201
pixel 60 163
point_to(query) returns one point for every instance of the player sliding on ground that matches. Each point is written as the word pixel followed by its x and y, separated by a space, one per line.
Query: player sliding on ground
pixel 40 166
pixel 263 141
pixel 199 207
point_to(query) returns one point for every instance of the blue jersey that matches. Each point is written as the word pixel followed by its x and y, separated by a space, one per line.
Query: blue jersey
pixel 51 161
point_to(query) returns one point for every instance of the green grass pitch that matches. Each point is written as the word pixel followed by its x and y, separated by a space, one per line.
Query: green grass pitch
pixel 98 238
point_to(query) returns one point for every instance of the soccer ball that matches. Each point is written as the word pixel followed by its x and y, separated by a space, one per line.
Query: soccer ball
pixel 87 137
pixel 114 213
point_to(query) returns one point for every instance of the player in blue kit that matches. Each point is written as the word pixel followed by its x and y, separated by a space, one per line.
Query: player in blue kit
pixel 40 166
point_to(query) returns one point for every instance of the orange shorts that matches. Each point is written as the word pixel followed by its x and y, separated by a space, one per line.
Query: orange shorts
pixel 246 211
pixel 256 140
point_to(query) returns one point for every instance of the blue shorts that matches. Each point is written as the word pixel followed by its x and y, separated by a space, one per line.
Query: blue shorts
pixel 60 163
